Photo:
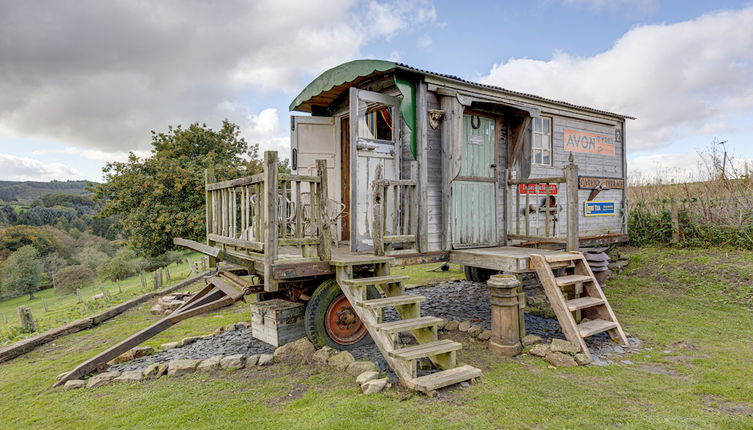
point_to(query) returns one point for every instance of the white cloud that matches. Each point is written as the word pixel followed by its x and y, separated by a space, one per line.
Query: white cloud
pixel 15 168
pixel 685 167
pixel 640 5
pixel 100 75
pixel 686 78
pixel 425 41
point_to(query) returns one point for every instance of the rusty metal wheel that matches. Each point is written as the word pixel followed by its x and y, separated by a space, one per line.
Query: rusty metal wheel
pixel 331 320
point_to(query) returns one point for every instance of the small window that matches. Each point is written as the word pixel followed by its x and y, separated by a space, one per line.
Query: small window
pixel 541 153
pixel 376 123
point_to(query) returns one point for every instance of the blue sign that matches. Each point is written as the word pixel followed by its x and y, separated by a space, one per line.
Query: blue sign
pixel 600 208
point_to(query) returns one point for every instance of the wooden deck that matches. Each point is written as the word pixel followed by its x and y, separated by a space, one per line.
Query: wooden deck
pixel 505 258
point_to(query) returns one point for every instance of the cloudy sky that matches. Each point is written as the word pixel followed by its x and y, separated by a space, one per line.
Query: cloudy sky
pixel 83 82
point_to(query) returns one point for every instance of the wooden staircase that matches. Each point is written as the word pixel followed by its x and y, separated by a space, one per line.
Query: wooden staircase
pixel 591 297
pixel 386 335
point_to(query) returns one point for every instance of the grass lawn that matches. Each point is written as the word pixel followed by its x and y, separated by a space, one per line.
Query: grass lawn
pixel 691 307
pixel 62 309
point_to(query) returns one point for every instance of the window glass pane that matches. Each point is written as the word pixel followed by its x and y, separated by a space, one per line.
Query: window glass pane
pixel 537 141
pixel 537 157
pixel 537 125
pixel 375 122
pixel 546 125
pixel 546 158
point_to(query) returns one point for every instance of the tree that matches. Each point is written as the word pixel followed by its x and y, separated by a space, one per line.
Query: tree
pixel 22 272
pixel 15 237
pixel 91 257
pixel 51 264
pixel 69 278
pixel 162 196
pixel 121 266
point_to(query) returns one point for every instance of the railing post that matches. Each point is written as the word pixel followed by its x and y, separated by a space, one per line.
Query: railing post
pixel 573 206
pixel 377 215
pixel 270 212
pixel 415 227
pixel 209 207
pixel 325 235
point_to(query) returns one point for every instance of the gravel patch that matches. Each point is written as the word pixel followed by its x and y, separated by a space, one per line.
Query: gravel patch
pixel 458 300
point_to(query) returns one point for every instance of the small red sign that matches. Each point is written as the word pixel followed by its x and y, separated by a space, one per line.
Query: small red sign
pixel 538 189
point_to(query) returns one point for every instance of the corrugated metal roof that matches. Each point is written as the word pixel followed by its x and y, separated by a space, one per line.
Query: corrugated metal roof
pixel 338 77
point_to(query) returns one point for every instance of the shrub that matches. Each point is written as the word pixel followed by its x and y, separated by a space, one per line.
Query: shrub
pixel 117 268
pixel 91 257
pixel 69 278
pixel 22 272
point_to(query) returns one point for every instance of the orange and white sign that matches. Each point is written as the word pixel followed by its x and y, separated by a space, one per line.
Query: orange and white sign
pixel 588 142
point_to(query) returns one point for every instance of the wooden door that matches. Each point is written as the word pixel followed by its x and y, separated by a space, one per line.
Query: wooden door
pixel 313 138
pixel 474 217
pixel 374 140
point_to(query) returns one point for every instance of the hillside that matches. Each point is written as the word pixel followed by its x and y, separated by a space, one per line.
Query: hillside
pixel 30 190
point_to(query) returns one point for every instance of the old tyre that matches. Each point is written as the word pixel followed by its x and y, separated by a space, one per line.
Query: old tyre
pixel 477 274
pixel 331 321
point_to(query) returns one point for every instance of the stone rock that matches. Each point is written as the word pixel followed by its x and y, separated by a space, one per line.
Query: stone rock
pixel 130 376
pixel 582 359
pixel 74 384
pixel 300 350
pixel 218 331
pixel 530 339
pixel 322 355
pixel 253 360
pixel 99 296
pixel 559 359
pixel 244 324
pixel 441 324
pixel 232 362
pixel 540 350
pixel 101 379
pixel 156 310
pixel 485 335
pixel 374 386
pixel 266 359
pixel 182 367
pixel 155 371
pixel 142 351
pixel 451 325
pixel 464 326
pixel 366 377
pixel 122 358
pixel 358 367
pixel 189 340
pixel 169 345
pixel 60 376
pixel 560 345
pixel 341 360
pixel 475 330
pixel 230 327
pixel 211 364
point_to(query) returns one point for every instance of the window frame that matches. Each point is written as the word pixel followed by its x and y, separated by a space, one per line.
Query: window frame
pixel 544 147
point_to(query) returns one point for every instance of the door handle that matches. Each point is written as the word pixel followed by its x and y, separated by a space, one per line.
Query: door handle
pixel 493 166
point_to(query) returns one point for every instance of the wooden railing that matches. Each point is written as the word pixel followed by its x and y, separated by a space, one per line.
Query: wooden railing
pixel 258 214
pixel 394 212
pixel 522 216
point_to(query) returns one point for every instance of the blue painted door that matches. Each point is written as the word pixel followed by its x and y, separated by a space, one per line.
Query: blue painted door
pixel 474 207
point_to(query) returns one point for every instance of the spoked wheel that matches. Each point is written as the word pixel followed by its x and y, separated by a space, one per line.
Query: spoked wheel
pixel 477 274
pixel 332 321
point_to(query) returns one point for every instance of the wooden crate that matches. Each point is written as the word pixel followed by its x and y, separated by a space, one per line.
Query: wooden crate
pixel 277 322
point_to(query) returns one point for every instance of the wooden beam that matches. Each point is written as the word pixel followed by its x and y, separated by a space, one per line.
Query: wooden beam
pixel 247 180
pixel 270 212
pixel 573 205
pixel 423 168
pixel 325 234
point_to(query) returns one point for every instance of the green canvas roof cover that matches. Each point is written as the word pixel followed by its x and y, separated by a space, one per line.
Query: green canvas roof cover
pixel 339 75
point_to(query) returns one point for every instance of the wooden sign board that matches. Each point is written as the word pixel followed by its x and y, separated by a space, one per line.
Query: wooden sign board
pixel 589 142
pixel 599 208
pixel 591 182
pixel 538 189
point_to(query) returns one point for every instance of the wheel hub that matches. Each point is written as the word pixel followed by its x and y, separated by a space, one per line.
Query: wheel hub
pixel 342 323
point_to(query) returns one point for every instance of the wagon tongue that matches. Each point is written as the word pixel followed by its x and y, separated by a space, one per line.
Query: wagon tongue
pixel 222 289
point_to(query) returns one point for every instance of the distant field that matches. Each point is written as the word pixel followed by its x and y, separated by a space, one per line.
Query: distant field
pixel 63 309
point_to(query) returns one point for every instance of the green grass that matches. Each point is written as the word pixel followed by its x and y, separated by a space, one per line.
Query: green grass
pixel 696 374
pixel 64 308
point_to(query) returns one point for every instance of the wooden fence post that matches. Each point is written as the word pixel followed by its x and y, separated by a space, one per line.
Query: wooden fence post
pixel 168 278
pixel 78 295
pixel 44 303
pixel 270 215
pixel 208 207
pixel 143 280
pixel 377 214
pixel 157 275
pixel 573 205
pixel 325 235
pixel 117 283
pixel 675 221
pixel 26 319
pixel 5 318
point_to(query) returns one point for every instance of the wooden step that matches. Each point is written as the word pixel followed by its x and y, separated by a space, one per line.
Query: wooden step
pixel 590 328
pixel 583 302
pixel 562 257
pixel 445 378
pixel 564 281
pixel 376 280
pixel 426 349
pixel 407 325
pixel 406 299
